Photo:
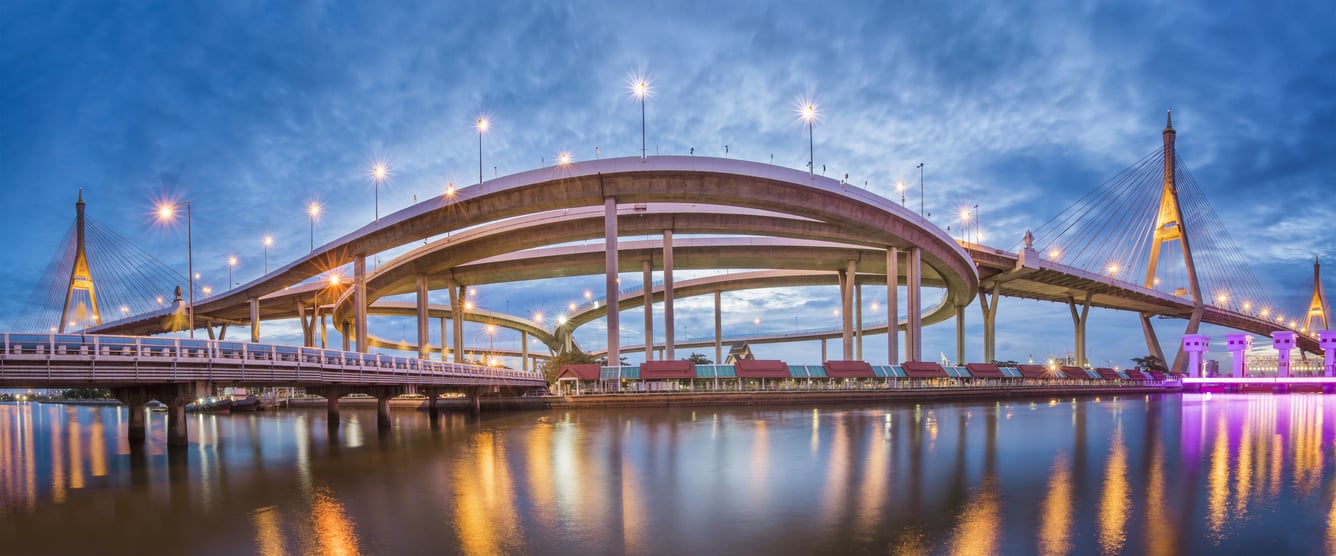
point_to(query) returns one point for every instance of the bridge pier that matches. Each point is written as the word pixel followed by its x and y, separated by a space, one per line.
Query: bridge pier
pixel 669 338
pixel 914 305
pixel 331 395
pixel 1079 323
pixel 383 395
pixel 647 278
pixel 988 305
pixel 176 396
pixel 892 305
pixel 433 396
pixel 846 279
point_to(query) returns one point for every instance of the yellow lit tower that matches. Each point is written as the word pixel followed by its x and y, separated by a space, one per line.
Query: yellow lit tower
pixel 80 277
pixel 1316 320
pixel 1169 226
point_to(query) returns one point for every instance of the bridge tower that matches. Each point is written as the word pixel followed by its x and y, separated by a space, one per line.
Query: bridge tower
pixel 1169 226
pixel 80 277
pixel 1318 309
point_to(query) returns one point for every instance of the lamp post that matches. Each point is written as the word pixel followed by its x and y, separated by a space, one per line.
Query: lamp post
pixel 481 125
pixel 900 186
pixel 920 169
pixel 314 211
pixel 166 213
pixel 380 171
pixel 231 264
pixel 640 90
pixel 807 112
pixel 267 241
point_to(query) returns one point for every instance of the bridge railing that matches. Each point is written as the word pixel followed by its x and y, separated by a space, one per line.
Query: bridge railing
pixel 228 356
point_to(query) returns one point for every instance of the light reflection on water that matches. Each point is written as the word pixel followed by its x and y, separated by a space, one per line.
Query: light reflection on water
pixel 1154 475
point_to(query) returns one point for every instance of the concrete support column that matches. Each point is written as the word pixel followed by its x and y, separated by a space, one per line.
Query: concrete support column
pixel 914 330
pixel 960 334
pixel 668 336
pixel 134 399
pixel 324 332
pixel 524 350
pixel 346 335
pixel 254 304
pixel 1152 341
pixel 823 351
pixel 1079 323
pixel 610 279
pixel 858 319
pixel 433 397
pixel 892 305
pixel 718 330
pixel 1195 345
pixel 424 344
pixel 1194 322
pixel 359 302
pixel 177 432
pixel 457 301
pixel 1327 341
pixel 1283 341
pixel 847 309
pixel 1239 344
pixel 648 280
pixel 989 308
pixel 383 412
pixel 307 321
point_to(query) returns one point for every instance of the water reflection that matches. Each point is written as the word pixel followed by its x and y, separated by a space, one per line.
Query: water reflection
pixel 1159 475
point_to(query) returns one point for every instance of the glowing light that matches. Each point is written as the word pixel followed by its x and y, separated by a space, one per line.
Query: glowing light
pixel 965 215
pixel 207 290
pixel 124 310
pixel 482 124
pixel 1247 305
pixel 1113 269
pixel 166 211
pixel 1053 254
pixel 450 189
pixel 313 209
pixel 335 279
pixel 808 111
pixel 380 171
pixel 1266 311
pixel 589 294
pixel 561 319
pixel 468 305
pixel 232 260
pixel 268 241
pixel 572 307
pixel 640 87
pixel 900 186
pixel 564 158
pixel 1221 298
pixel 538 317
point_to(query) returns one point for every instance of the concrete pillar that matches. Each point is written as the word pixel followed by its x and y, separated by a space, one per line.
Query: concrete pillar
pixel 254 304
pixel 823 351
pixel 424 344
pixel 669 339
pixel 718 330
pixel 433 396
pixel 458 294
pixel 324 333
pixel 858 319
pixel 1152 341
pixel 1327 341
pixel 383 412
pixel 648 280
pixel 1079 324
pixel 892 305
pixel 1238 345
pixel 914 330
pixel 177 432
pixel 359 302
pixel 989 308
pixel 524 350
pixel 1283 341
pixel 847 306
pixel 610 282
pixel 136 423
pixel 345 334
pixel 308 325
pixel 960 334
pixel 1195 345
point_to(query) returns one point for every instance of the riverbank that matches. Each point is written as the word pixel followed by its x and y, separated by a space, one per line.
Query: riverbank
pixel 751 398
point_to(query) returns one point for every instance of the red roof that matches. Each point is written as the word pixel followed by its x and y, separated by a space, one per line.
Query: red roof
pixel 588 371
pixel 761 368
pixel 1033 371
pixel 1074 372
pixel 923 369
pixel 1108 374
pixel 651 370
pixel 984 370
pixel 848 369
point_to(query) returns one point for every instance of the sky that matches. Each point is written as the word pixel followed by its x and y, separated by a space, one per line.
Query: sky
pixel 252 110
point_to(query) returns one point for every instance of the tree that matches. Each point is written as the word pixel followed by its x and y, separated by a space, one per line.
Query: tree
pixel 1150 363
pixel 698 359
pixel 554 364
pixel 1006 363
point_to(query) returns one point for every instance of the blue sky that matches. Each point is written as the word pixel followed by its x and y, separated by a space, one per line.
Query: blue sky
pixel 253 109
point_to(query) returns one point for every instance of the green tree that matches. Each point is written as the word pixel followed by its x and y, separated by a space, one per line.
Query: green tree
pixel 1005 363
pixel 698 359
pixel 1150 363
pixel 86 394
pixel 556 362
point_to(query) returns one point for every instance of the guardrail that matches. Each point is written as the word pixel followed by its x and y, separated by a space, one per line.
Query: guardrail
pixel 36 359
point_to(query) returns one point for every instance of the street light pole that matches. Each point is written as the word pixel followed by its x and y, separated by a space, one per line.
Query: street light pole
pixel 920 169
pixel 481 125
pixel 268 240
pixel 314 211
pixel 231 263
pixel 807 112
pixel 166 212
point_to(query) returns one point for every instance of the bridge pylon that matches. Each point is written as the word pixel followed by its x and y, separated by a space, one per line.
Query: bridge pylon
pixel 1316 319
pixel 81 278
pixel 1169 227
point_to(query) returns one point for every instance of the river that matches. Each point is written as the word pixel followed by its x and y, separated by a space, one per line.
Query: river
pixel 1159 474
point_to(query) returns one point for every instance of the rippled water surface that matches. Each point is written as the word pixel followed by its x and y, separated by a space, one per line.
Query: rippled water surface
pixel 1160 475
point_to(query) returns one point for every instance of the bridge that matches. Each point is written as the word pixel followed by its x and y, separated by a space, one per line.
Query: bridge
pixel 777 226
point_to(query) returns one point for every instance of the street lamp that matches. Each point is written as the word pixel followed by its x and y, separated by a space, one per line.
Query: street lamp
pixel 900 186
pixel 314 211
pixel 920 169
pixel 268 242
pixel 231 264
pixel 380 171
pixel 481 126
pixel 640 89
pixel 167 213
pixel 807 112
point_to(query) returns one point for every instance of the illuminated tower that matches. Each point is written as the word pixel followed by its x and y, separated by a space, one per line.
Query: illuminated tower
pixel 1318 307
pixel 80 277
pixel 1169 223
